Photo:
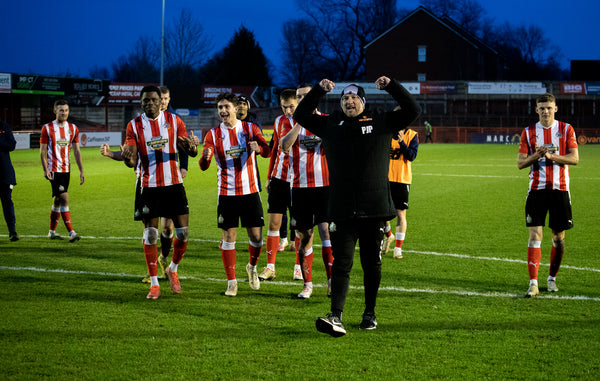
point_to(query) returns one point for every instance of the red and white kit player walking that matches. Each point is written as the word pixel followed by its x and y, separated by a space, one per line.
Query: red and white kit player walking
pixel 56 141
pixel 234 145
pixel 153 139
pixel 310 189
pixel 280 175
pixel 548 148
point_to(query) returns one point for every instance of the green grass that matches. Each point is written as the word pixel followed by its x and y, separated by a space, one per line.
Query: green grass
pixel 451 309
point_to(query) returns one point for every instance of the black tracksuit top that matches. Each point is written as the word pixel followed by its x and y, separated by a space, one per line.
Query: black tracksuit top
pixel 358 153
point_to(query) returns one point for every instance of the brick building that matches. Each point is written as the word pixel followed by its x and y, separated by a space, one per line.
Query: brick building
pixel 424 47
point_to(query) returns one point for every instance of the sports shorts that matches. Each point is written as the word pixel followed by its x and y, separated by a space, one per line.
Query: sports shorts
pixel 170 201
pixel 399 193
pixel 60 183
pixel 280 197
pixel 233 209
pixel 553 202
pixel 309 207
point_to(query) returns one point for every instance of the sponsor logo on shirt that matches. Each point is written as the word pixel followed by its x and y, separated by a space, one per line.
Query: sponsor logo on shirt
pixel 157 142
pixel 236 151
pixel 62 142
pixel 310 142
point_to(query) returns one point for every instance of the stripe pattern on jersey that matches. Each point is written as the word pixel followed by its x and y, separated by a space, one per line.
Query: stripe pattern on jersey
pixel 236 162
pixel 59 140
pixel 156 140
pixel 281 165
pixel 547 174
pixel 308 161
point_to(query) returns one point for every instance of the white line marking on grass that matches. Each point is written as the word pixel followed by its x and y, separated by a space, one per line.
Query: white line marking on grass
pixel 497 259
pixel 315 245
pixel 398 289
pixel 453 175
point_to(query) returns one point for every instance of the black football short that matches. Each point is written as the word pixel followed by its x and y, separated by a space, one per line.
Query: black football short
pixel 170 201
pixel 60 183
pixel 280 197
pixel 555 203
pixel 309 207
pixel 246 208
pixel 399 193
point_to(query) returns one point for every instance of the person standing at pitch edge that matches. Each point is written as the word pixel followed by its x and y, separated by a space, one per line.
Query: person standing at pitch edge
pixel 357 146
pixel 548 148
pixel 7 178
pixel 56 141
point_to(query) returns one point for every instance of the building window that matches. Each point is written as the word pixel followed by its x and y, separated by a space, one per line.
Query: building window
pixel 422 53
pixel 421 77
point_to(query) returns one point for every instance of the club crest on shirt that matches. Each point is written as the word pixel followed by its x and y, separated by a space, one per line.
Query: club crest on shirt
pixel 559 134
pixel 236 151
pixel 157 142
pixel 310 142
pixel 167 125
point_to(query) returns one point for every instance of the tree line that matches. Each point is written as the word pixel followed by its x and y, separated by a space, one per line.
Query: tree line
pixel 327 41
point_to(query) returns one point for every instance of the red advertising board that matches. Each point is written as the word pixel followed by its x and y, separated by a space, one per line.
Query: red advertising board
pixel 126 94
pixel 572 88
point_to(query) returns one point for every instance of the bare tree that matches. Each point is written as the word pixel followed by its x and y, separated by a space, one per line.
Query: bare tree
pixel 140 64
pixel 185 41
pixel 467 13
pixel 342 28
pixel 300 51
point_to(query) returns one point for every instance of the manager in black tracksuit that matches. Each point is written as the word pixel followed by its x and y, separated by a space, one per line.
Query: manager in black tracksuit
pixel 357 147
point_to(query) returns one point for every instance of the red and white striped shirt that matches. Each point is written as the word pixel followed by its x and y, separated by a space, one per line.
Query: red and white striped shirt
pixel 547 174
pixel 308 161
pixel 236 172
pixel 279 165
pixel 59 140
pixel 156 141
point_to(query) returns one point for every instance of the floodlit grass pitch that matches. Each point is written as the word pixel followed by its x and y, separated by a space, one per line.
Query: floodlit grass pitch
pixel 452 308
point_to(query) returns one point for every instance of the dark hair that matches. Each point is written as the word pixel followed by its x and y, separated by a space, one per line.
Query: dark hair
pixel 60 102
pixel 545 98
pixel 150 89
pixel 164 90
pixel 286 94
pixel 304 84
pixel 228 97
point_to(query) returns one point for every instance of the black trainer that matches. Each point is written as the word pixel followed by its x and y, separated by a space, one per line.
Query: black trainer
pixel 13 236
pixel 331 325
pixel 368 322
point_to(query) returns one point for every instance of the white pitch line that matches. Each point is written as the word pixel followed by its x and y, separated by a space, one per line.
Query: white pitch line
pixel 464 256
pixel 316 285
pixel 497 259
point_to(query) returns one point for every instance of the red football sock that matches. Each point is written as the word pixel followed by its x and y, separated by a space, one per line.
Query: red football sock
pixel 307 266
pixel 556 255
pixel 327 254
pixel 534 254
pixel 254 253
pixel 272 247
pixel 151 253
pixel 296 246
pixel 179 248
pixel 66 216
pixel 54 217
pixel 229 258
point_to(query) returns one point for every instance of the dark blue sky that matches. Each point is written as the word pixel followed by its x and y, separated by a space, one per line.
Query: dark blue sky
pixel 54 37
